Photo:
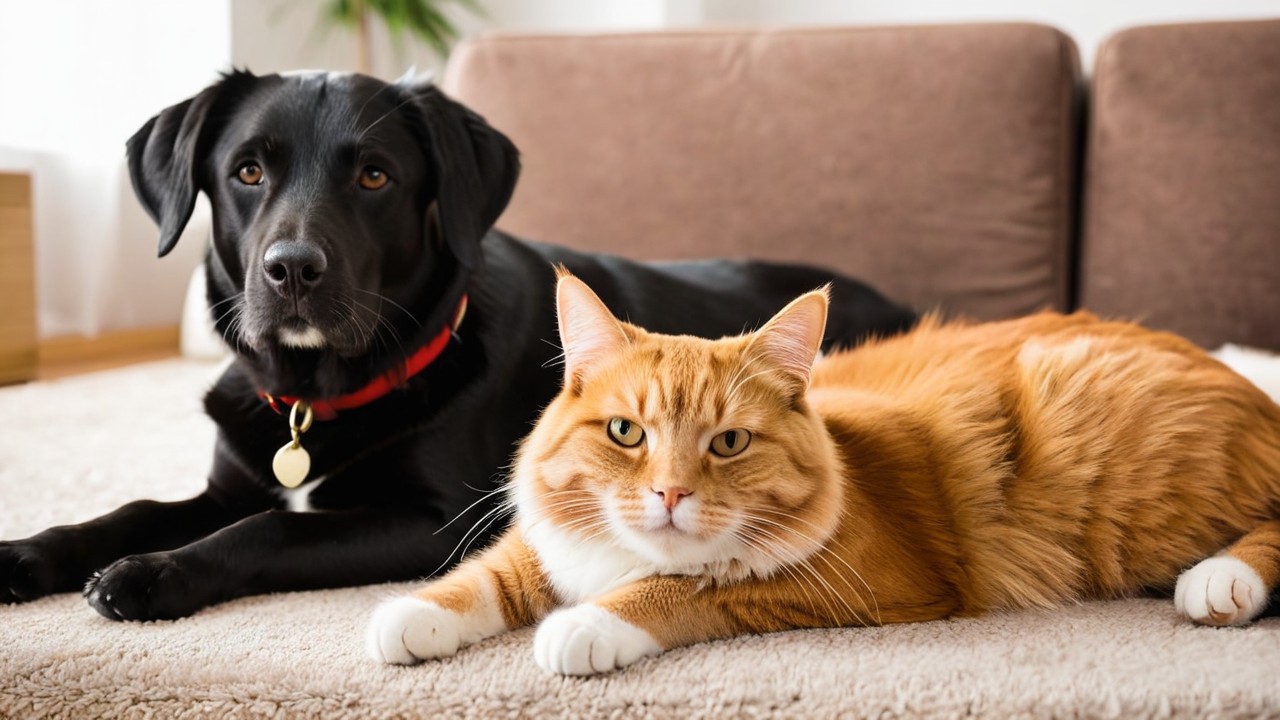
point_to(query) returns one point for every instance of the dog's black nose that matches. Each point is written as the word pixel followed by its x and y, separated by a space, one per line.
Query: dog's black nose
pixel 293 267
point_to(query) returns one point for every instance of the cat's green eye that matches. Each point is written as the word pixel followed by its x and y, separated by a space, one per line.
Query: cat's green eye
pixel 625 432
pixel 730 442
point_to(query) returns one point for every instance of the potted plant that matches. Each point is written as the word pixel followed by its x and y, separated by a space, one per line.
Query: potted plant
pixel 424 19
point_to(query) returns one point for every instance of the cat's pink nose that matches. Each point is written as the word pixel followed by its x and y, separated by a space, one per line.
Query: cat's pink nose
pixel 671 495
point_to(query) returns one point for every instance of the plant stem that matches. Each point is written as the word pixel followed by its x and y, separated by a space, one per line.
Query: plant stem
pixel 362 38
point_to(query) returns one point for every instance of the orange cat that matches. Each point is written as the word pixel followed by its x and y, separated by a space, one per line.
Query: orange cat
pixel 680 490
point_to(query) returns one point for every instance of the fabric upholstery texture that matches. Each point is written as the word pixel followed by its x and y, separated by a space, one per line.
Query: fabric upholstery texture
pixel 936 162
pixel 1181 221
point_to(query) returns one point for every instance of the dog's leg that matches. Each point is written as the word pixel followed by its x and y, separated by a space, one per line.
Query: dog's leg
pixel 273 552
pixel 60 559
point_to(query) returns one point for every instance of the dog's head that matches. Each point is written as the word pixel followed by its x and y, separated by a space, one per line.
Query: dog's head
pixel 347 212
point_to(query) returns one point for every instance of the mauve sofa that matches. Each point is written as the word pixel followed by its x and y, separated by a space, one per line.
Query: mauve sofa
pixel 967 168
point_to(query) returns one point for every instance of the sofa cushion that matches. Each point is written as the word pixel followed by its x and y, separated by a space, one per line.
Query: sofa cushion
pixel 935 162
pixel 1181 221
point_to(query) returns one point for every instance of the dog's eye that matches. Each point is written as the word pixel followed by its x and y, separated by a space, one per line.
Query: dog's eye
pixel 250 174
pixel 372 178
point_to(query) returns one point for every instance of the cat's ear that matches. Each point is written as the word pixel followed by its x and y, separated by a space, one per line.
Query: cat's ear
pixel 589 333
pixel 791 340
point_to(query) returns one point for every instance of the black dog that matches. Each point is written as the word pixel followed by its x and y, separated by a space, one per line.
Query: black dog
pixel 349 216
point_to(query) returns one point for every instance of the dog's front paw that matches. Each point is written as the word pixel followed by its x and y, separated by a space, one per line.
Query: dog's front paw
pixel 408 630
pixel 28 570
pixel 1221 590
pixel 587 639
pixel 148 587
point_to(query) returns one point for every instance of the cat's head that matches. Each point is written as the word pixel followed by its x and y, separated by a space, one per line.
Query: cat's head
pixel 699 456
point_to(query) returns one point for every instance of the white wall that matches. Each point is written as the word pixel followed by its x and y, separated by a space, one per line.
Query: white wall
pixel 77 78
pixel 278 35
pixel 1087 21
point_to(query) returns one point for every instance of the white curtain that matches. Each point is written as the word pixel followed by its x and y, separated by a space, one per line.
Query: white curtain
pixel 77 78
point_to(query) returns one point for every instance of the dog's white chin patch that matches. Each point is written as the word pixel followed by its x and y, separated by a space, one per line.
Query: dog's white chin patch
pixel 308 338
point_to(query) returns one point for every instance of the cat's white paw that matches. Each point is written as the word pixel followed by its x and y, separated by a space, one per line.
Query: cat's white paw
pixel 407 630
pixel 587 639
pixel 1221 590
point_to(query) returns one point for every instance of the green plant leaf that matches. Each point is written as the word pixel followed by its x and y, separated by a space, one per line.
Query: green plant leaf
pixel 424 19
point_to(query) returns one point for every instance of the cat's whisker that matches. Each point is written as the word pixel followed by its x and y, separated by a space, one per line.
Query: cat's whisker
pixel 805 577
pixel 572 522
pixel 467 509
pixel 737 382
pixel 837 555
pixel 805 585
pixel 584 531
pixel 493 517
pixel 577 499
pixel 823 556
pixel 572 501
pixel 806 564
pixel 499 485
pixel 733 392
pixel 556 360
pixel 747 362
pixel 596 531
pixel 494 513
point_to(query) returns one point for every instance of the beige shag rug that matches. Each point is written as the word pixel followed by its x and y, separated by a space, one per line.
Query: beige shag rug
pixel 72 449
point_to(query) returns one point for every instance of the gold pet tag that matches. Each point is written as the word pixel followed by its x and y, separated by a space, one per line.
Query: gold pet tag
pixel 292 462
pixel 291 465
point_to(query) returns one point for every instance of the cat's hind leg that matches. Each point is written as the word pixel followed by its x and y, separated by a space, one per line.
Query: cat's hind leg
pixel 1232 588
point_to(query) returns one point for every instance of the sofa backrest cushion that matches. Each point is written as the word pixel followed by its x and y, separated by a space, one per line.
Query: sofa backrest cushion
pixel 938 163
pixel 1181 223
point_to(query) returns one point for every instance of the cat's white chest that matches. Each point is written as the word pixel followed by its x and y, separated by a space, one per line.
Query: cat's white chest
pixel 580 570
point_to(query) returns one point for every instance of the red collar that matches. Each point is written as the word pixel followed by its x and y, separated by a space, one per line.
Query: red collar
pixel 327 408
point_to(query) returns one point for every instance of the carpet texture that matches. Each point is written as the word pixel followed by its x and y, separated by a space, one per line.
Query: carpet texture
pixel 73 449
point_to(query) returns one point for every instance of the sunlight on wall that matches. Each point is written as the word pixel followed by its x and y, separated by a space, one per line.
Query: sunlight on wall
pixel 77 78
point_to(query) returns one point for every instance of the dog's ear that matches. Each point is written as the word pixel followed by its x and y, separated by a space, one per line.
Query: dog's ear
pixel 476 167
pixel 163 159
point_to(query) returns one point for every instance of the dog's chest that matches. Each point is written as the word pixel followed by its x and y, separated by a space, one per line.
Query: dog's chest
pixel 299 499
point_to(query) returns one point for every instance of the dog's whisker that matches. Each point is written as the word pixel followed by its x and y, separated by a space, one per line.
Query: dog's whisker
pixel 392 303
pixel 231 333
pixel 384 116
pixel 224 301
pixel 360 334
pixel 376 327
pixel 371 98
pixel 381 323
pixel 235 307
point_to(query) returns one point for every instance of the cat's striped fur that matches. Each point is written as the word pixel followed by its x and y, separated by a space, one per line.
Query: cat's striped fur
pixel 955 470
